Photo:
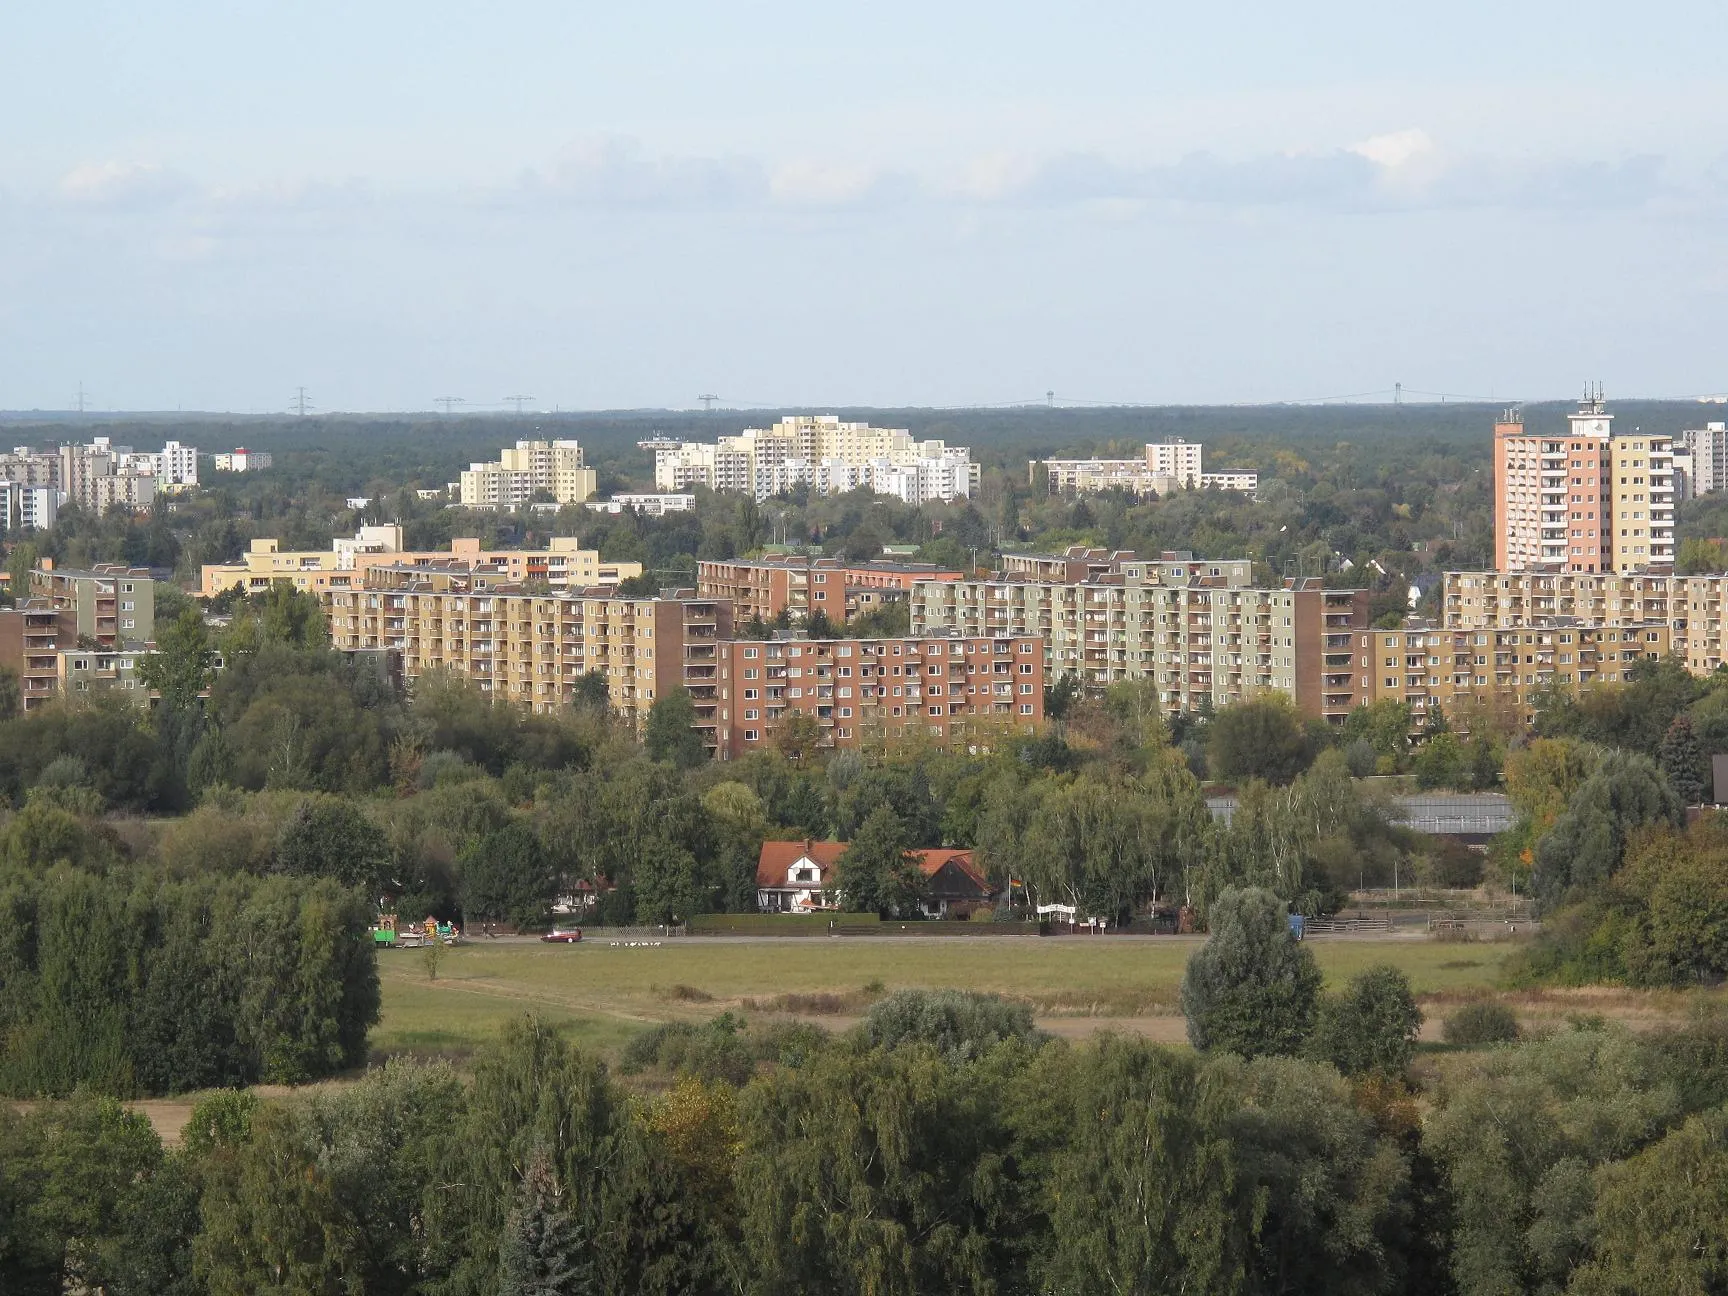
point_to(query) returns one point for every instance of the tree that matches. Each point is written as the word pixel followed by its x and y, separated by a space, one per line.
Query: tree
pixel 877 874
pixel 10 695
pixel 506 875
pixel 1370 1027
pixel 1660 1219
pixel 542 1252
pixel 1262 738
pixel 1441 763
pixel 1682 761
pixel 1061 695
pixel 796 736
pixel 591 690
pixel 818 626
pixel 1252 988
pixel 670 734
pixel 180 667
pixel 332 837
pixel 1585 846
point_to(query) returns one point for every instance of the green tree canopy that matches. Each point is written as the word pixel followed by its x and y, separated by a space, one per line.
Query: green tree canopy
pixel 1252 988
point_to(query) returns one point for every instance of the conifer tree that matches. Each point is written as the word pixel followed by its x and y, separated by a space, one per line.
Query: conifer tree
pixel 542 1252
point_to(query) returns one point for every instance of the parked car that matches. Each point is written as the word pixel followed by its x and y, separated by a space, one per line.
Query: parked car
pixel 563 935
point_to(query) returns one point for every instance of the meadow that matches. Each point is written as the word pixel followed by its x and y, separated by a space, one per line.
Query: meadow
pixel 602 994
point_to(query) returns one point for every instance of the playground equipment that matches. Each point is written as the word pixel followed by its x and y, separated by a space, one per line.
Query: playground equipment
pixel 387 935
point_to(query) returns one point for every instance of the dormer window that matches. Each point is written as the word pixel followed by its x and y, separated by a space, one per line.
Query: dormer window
pixel 806 873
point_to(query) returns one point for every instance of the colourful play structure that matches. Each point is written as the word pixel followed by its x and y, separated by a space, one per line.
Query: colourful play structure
pixel 386 934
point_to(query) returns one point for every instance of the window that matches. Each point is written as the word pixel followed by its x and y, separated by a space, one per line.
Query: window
pixel 750 652
pixel 749 735
pixel 1025 688
pixel 751 714
pixel 749 694
pixel 1026 648
pixel 845 712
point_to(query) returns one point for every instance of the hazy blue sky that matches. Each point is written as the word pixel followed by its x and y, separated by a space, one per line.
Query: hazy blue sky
pixel 206 204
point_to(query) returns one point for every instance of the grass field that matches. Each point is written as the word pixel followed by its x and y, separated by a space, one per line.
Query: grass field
pixel 604 994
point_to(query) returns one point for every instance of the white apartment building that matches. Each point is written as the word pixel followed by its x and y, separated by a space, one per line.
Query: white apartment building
pixel 1701 461
pixel 1162 468
pixel 242 460
pixel 519 472
pixel 821 452
pixel 646 504
pixel 23 507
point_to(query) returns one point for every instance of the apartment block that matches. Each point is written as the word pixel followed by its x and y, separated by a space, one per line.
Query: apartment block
pixel 1592 500
pixel 243 460
pixel 1163 467
pixel 520 472
pixel 24 507
pixel 865 691
pixel 30 467
pixel 564 564
pixel 111 604
pixel 822 453
pixel 799 585
pixel 648 505
pixel 531 648
pixel 32 635
pixel 1701 461
pixel 1205 636
pixel 1643 510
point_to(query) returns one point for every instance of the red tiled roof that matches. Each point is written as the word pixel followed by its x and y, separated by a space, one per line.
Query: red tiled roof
pixel 778 857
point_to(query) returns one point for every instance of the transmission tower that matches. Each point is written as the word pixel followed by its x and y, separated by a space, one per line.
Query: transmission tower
pixel 300 404
pixel 449 402
pixel 708 401
pixel 81 400
pixel 518 401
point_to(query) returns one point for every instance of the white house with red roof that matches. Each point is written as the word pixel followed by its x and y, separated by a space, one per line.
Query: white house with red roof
pixel 798 877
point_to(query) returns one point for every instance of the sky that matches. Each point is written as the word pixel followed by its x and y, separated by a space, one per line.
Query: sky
pixel 207 205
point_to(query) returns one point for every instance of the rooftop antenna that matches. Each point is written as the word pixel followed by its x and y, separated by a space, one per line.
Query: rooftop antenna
pixel 708 402
pixel 448 402
pixel 300 405
pixel 517 401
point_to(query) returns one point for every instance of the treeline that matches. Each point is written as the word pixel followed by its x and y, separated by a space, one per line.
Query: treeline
pixel 942 1147
pixel 136 982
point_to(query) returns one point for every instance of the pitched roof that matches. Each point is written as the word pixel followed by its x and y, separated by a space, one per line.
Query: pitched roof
pixel 778 857
pixel 931 862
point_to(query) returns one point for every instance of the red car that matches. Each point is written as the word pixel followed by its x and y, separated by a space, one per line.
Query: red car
pixel 563 935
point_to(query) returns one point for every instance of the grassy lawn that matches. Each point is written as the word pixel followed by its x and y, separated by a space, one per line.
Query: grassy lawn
pixel 602 994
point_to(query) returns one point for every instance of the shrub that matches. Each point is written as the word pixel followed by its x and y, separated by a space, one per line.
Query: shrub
pixel 1372 1026
pixel 1482 1022
pixel 960 1023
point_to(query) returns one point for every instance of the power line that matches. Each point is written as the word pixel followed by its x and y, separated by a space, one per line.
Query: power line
pixel 80 397
pixel 448 402
pixel 708 400
pixel 300 405
pixel 517 401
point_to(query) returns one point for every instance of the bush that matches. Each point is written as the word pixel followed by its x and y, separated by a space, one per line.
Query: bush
pixel 1372 1026
pixel 1483 1022
pixel 960 1023
pixel 710 1052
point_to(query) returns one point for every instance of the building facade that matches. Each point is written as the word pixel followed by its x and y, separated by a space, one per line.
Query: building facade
pixel 1592 500
pixel 763 588
pixel 1206 637
pixel 1163 467
pixel 243 460
pixel 533 649
pixel 822 453
pixel 525 469
pixel 564 564
pixel 24 508
pixel 860 692
pixel 111 604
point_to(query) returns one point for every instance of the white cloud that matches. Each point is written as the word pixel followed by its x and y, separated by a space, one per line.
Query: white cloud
pixel 123 184
pixel 1394 149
